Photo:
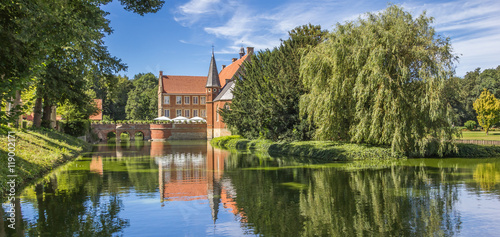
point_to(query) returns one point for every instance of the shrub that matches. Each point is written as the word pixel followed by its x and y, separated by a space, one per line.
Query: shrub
pixel 76 127
pixel 470 125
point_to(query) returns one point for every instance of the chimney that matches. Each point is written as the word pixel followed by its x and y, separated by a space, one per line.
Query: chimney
pixel 234 60
pixel 249 50
pixel 161 74
pixel 223 66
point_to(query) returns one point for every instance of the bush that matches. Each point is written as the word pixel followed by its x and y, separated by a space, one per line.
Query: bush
pixel 470 125
pixel 76 127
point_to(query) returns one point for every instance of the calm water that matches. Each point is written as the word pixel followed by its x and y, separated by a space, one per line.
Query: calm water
pixel 191 189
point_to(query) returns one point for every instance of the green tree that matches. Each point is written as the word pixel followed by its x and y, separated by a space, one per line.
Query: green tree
pixel 142 103
pixel 488 110
pixel 380 80
pixel 116 99
pixel 40 38
pixel 472 86
pixel 266 100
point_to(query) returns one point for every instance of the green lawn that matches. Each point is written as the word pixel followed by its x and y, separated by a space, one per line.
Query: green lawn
pixel 481 135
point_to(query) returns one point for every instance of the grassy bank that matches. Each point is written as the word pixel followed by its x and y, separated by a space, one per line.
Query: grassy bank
pixel 324 150
pixel 36 153
pixel 328 150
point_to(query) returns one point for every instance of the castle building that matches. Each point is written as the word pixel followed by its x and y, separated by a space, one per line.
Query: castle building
pixel 199 96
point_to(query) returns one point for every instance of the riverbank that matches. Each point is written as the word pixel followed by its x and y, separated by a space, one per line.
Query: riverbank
pixel 324 150
pixel 336 151
pixel 35 153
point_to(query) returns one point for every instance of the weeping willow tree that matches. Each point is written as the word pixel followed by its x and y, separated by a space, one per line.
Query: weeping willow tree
pixel 380 80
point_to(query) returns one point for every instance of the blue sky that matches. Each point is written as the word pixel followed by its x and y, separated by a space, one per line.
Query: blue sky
pixel 178 39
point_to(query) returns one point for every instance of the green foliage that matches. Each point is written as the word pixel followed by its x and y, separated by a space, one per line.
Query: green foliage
pixel 472 86
pixel 488 110
pixel 380 80
pixel 116 98
pixel 58 46
pixel 470 125
pixel 37 152
pixel 142 103
pixel 266 100
pixel 322 150
pixel 75 128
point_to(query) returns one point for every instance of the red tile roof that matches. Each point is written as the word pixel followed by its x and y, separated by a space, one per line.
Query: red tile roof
pixel 229 71
pixel 98 115
pixel 184 84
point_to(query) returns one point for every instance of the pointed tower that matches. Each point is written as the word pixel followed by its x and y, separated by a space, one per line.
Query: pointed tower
pixel 212 90
pixel 160 94
pixel 242 52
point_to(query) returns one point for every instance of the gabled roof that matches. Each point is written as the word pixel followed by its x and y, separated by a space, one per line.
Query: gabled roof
pixel 226 92
pixel 184 84
pixel 98 114
pixel 229 71
pixel 213 74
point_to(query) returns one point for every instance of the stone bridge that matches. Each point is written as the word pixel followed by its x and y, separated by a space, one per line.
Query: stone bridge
pixel 170 131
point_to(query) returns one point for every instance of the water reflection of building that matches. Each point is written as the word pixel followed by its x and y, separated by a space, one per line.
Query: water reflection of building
pixel 96 165
pixel 194 174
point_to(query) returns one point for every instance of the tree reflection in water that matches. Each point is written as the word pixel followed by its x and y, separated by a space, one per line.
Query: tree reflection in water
pixel 402 198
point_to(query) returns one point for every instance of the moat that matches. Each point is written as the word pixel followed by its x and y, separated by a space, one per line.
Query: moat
pixel 188 188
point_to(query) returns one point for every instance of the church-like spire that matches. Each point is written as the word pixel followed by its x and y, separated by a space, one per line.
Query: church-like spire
pixel 213 75
pixel 242 52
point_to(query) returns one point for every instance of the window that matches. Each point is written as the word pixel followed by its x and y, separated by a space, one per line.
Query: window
pixel 226 106
pixel 202 100
pixel 203 113
pixel 166 100
pixel 217 111
pixel 186 113
pixel 167 113
pixel 195 100
pixel 195 111
pixel 186 100
pixel 209 90
pixel 215 90
pixel 178 112
pixel 178 100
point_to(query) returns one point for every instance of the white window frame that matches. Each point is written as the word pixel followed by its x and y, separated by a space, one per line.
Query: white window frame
pixel 195 113
pixel 187 100
pixel 166 113
pixel 178 112
pixel 166 99
pixel 195 100
pixel 203 100
pixel 203 113
pixel 178 100
pixel 187 113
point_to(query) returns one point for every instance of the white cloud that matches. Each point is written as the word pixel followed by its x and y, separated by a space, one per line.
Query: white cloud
pixel 474 26
pixel 199 6
pixel 474 29
pixel 198 10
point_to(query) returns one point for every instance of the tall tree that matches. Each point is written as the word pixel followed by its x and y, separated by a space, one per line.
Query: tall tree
pixel 142 103
pixel 36 35
pixel 488 110
pixel 472 86
pixel 266 100
pixel 380 80
pixel 116 99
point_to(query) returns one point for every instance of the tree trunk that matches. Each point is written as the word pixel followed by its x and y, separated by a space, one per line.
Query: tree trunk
pixel 37 113
pixel 47 111
pixel 17 111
